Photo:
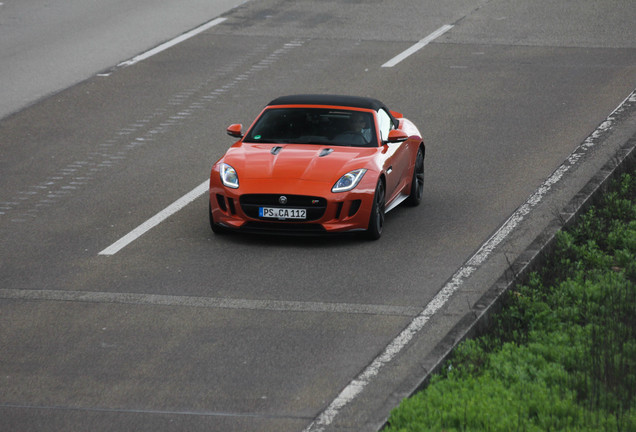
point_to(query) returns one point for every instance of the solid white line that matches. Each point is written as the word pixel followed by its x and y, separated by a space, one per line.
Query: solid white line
pixel 156 219
pixel 172 42
pixel 418 46
pixel 355 387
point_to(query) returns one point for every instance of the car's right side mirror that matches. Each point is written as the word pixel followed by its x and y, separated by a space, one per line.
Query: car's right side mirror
pixel 235 130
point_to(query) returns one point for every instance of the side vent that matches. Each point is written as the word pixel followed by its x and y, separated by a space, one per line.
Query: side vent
pixel 355 206
pixel 230 201
pixel 221 200
pixel 338 210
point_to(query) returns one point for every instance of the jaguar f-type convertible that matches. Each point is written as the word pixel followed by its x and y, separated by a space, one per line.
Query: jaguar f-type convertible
pixel 317 164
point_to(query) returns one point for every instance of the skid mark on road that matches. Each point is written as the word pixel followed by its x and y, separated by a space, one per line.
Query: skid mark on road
pixel 28 203
pixel 207 302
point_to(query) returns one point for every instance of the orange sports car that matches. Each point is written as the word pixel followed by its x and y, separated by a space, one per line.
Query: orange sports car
pixel 317 164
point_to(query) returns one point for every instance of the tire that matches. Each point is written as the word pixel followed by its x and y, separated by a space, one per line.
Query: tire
pixel 216 229
pixel 417 183
pixel 376 220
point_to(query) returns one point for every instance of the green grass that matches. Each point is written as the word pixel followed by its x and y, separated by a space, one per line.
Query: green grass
pixel 561 355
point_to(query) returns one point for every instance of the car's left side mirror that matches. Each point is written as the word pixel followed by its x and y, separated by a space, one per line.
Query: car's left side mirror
pixel 396 136
pixel 235 130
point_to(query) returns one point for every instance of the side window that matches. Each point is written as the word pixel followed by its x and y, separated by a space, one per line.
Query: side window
pixel 385 124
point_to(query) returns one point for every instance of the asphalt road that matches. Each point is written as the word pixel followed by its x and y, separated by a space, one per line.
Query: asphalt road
pixel 185 330
pixel 49 46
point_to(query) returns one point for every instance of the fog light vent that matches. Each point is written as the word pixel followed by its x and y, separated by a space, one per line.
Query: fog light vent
pixel 221 200
pixel 355 206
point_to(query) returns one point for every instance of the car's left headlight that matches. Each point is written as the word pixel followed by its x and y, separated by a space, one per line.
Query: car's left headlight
pixel 229 177
pixel 348 181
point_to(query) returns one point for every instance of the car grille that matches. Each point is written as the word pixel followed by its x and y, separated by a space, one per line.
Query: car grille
pixel 315 206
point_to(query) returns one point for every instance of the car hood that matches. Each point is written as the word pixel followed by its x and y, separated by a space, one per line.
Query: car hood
pixel 297 161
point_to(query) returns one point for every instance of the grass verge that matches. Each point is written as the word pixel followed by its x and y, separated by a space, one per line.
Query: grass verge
pixel 562 353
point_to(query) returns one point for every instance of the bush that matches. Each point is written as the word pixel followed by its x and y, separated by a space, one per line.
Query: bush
pixel 562 355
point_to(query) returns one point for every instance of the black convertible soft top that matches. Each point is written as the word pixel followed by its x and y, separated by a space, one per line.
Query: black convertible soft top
pixel 336 100
pixel 325 99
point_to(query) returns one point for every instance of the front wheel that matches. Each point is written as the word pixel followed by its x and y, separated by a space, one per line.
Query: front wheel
pixel 376 221
pixel 417 183
pixel 216 229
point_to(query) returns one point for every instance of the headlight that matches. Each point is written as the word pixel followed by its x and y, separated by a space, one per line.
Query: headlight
pixel 348 181
pixel 229 177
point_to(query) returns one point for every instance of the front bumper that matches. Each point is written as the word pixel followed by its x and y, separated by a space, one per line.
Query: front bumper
pixel 326 212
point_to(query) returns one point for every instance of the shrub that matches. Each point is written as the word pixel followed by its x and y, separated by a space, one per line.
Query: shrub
pixel 562 353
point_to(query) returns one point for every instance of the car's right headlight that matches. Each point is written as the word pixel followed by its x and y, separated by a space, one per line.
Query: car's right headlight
pixel 348 181
pixel 229 177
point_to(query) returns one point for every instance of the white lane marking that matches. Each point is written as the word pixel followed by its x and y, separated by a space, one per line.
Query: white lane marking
pixel 156 219
pixel 418 46
pixel 207 302
pixel 172 42
pixel 355 387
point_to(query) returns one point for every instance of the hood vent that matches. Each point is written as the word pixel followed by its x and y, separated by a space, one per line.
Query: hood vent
pixel 325 152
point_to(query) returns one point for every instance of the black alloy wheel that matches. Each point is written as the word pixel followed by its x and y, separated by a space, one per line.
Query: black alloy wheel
pixel 417 184
pixel 216 229
pixel 376 221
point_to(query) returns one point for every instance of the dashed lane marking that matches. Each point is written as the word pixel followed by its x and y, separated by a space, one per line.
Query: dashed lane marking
pixel 156 219
pixel 418 46
pixel 172 42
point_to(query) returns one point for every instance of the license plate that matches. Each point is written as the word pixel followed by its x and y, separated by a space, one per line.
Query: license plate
pixel 282 213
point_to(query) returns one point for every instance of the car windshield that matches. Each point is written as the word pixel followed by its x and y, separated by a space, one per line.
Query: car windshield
pixel 314 126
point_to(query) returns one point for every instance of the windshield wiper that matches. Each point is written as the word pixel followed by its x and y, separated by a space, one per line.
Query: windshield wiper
pixel 264 141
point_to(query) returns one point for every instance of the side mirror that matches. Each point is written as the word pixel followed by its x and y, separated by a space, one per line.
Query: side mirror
pixel 235 130
pixel 397 135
